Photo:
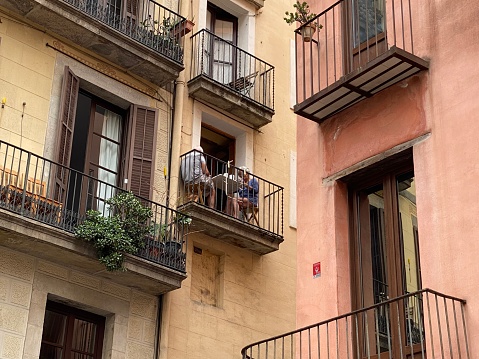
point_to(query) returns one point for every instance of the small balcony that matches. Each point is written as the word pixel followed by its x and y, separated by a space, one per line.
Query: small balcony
pixel 423 324
pixel 42 202
pixel 358 49
pixel 141 36
pixel 231 79
pixel 256 225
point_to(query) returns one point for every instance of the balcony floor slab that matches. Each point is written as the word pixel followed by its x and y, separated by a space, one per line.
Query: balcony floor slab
pixel 386 70
pixel 48 243
pixel 59 18
pixel 248 111
pixel 230 230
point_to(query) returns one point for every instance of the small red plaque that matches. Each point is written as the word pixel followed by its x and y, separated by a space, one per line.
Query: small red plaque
pixel 317 270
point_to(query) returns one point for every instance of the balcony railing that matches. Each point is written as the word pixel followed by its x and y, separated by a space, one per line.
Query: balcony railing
pixel 404 327
pixel 231 67
pixel 58 196
pixel 358 49
pixel 144 21
pixel 264 208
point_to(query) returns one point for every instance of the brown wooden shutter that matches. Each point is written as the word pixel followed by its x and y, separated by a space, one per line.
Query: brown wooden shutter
pixel 131 12
pixel 66 118
pixel 141 150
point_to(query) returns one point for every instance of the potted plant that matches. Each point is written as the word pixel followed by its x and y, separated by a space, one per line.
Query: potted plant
pixel 123 230
pixel 303 15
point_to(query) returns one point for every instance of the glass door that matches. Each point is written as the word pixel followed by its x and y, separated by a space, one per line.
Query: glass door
pixel 367 31
pixel 386 265
pixel 220 56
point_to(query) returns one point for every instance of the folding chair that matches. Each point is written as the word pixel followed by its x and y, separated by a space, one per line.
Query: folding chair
pixel 250 214
pixel 195 192
pixel 244 84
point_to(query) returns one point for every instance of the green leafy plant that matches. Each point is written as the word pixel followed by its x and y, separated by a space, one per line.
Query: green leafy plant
pixel 301 14
pixel 122 231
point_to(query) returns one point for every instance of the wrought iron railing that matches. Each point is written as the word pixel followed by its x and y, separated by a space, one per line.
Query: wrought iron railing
pixel 45 191
pixel 228 65
pixel 408 326
pixel 144 21
pixel 252 200
pixel 348 35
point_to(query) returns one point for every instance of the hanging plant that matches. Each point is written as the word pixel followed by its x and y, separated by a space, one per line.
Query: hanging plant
pixel 123 231
pixel 303 15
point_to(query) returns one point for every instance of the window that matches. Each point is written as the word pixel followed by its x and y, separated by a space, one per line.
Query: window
pixel 367 38
pixel 385 259
pixel 71 333
pixel 221 56
pixel 108 143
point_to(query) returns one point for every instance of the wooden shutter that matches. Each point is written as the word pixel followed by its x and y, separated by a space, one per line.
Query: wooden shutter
pixel 141 150
pixel 66 118
pixel 131 12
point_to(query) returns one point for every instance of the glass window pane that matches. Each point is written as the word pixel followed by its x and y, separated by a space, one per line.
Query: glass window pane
pixel 54 328
pixel 50 352
pixel 411 271
pixel 368 19
pixel 84 336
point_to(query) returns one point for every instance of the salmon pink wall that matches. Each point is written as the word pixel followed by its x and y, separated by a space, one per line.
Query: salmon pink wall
pixel 442 102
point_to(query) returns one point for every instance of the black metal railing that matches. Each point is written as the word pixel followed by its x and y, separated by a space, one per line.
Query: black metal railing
pixel 348 35
pixel 144 21
pixel 232 191
pixel 45 191
pixel 230 66
pixel 404 327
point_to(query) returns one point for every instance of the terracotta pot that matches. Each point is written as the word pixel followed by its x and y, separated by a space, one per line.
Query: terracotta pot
pixel 183 28
pixel 307 32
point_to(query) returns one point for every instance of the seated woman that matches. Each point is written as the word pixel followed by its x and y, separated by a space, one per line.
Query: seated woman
pixel 195 171
pixel 247 195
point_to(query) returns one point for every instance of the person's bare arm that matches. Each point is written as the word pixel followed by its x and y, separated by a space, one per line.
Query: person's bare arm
pixel 205 169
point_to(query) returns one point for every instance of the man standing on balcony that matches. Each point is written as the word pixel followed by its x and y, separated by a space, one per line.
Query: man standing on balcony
pixel 196 176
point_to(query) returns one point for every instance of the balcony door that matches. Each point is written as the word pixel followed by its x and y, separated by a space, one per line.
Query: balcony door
pixel 367 31
pixel 221 54
pixel 113 146
pixel 97 147
pixel 385 265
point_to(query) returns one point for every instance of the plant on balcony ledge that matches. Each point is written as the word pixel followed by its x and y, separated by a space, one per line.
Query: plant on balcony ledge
pixel 303 14
pixel 123 231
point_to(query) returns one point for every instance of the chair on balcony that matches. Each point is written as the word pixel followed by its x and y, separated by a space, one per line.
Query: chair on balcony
pixel 250 214
pixel 244 84
pixel 12 194
pixel 44 208
pixel 195 192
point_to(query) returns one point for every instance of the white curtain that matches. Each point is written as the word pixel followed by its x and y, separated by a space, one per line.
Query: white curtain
pixel 109 154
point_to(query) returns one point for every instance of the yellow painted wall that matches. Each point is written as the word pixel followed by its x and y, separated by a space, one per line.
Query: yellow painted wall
pixel 26 71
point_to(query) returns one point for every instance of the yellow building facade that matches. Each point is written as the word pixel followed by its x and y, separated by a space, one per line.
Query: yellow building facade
pixel 104 96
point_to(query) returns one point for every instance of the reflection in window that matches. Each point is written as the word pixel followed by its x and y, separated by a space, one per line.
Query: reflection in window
pixel 71 333
pixel 368 19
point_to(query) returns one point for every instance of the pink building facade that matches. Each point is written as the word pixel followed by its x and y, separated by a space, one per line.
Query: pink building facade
pixel 387 197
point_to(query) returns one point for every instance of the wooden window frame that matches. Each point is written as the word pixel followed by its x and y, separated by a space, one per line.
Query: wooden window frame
pixel 71 314
pixel 383 173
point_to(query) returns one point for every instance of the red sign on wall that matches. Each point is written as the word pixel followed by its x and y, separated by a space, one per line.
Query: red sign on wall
pixel 317 270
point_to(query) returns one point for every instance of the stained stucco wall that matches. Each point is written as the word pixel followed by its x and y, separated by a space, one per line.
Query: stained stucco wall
pixel 442 102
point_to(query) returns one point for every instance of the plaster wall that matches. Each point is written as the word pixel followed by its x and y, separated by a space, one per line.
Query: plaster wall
pixel 26 283
pixel 26 72
pixel 442 102
pixel 255 296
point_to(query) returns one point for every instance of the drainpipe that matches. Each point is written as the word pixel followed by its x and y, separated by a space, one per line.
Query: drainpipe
pixel 175 141
pixel 164 301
